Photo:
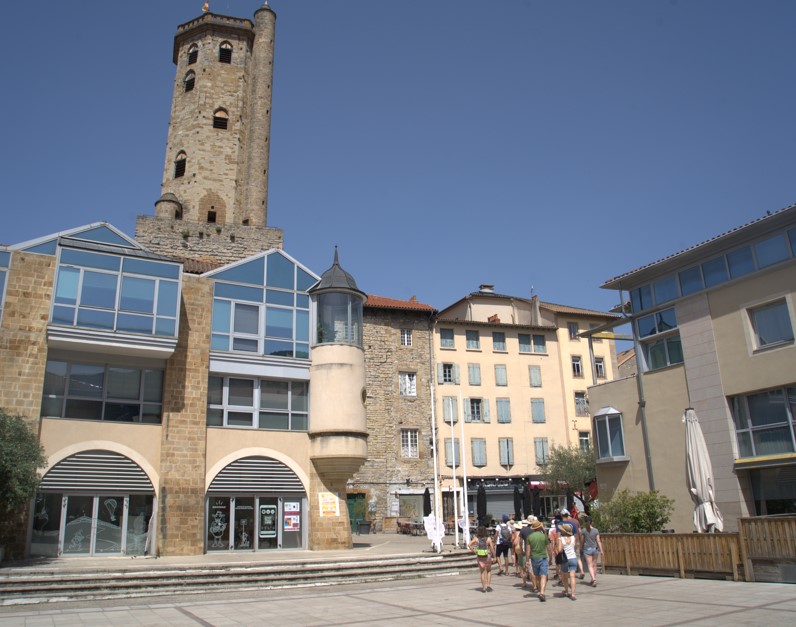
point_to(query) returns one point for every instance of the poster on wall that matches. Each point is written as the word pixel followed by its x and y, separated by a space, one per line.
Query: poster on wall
pixel 292 516
pixel 329 504
pixel 268 521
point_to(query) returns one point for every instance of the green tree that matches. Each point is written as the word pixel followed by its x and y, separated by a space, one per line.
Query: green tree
pixel 633 512
pixel 570 469
pixel 21 456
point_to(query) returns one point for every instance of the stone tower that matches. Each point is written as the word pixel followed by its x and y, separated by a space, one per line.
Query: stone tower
pixel 214 201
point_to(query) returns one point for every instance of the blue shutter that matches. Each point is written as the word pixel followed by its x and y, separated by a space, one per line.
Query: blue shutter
pixel 485 409
pixel 456 377
pixel 466 407
pixel 536 376
pixel 439 374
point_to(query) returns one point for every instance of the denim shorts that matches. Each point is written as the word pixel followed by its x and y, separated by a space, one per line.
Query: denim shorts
pixel 590 550
pixel 539 566
pixel 569 566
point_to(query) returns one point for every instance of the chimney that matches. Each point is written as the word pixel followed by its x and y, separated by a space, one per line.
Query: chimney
pixel 486 288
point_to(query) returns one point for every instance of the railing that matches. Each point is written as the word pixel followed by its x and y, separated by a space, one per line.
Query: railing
pixel 761 549
pixel 677 554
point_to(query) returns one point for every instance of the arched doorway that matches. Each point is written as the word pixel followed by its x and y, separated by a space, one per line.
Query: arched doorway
pixel 256 503
pixel 93 503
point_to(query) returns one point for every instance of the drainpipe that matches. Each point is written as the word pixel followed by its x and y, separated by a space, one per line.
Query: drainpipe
pixel 642 402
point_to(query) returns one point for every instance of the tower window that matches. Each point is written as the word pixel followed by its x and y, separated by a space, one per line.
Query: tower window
pixel 211 217
pixel 225 52
pixel 193 54
pixel 179 165
pixel 246 222
pixel 221 119
pixel 189 81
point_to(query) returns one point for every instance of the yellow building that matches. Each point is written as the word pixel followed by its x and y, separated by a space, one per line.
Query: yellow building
pixel 511 382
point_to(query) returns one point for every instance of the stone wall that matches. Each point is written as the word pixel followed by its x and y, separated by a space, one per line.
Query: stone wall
pixel 386 471
pixel 182 464
pixel 215 243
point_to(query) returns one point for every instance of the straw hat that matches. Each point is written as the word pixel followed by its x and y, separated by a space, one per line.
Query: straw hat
pixel 536 525
pixel 565 530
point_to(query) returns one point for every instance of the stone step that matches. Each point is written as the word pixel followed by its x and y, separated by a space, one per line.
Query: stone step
pixel 36 586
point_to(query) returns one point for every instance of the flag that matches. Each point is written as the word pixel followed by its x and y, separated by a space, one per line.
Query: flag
pixel 205 7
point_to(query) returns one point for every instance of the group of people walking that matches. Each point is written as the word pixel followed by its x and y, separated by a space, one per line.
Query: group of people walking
pixel 563 547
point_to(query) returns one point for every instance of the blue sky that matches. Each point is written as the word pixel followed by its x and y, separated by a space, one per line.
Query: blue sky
pixel 545 145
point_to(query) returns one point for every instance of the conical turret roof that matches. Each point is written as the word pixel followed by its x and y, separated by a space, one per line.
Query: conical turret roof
pixel 336 279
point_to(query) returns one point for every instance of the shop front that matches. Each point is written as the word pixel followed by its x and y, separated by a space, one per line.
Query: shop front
pixel 93 503
pixel 253 504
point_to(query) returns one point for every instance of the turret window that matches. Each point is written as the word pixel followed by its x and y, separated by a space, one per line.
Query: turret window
pixel 221 119
pixel 179 165
pixel 189 81
pixel 193 54
pixel 225 52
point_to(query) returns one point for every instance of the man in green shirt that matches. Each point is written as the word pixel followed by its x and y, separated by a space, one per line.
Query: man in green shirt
pixel 536 554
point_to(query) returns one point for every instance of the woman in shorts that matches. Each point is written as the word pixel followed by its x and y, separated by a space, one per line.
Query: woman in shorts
pixel 484 551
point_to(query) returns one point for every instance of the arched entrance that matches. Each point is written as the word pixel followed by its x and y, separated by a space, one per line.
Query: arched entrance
pixel 256 503
pixel 93 503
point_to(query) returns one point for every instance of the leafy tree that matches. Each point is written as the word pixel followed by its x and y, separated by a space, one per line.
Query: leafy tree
pixel 633 512
pixel 21 456
pixel 570 468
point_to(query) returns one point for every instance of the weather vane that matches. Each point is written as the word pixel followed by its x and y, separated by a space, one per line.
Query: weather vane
pixel 205 7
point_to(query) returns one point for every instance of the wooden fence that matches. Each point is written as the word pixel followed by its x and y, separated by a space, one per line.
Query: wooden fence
pixel 762 545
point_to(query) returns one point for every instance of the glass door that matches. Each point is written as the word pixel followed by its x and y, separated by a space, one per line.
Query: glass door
pixel 78 524
pixel 244 523
pixel 218 524
pixel 268 527
pixel 108 527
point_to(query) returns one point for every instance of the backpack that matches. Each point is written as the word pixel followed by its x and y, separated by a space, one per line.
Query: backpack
pixel 505 534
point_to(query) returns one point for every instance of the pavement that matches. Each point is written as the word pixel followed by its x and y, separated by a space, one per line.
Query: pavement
pixel 443 600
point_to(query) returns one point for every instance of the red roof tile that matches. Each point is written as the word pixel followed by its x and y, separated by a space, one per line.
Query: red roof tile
pixel 390 303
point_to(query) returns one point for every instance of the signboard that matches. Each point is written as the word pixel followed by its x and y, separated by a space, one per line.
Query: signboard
pixel 292 516
pixel 268 521
pixel 328 504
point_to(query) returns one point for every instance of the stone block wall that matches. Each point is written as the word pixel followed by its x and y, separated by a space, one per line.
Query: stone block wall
pixel 182 465
pixel 386 471
pixel 328 532
pixel 218 244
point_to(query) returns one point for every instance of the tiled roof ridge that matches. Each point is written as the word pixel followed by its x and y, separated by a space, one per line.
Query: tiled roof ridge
pixel 394 303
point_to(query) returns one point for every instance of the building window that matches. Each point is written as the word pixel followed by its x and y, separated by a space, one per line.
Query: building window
pixel 501 378
pixel 407 383
pixel 452 452
pixel 765 422
pixel 116 293
pixel 221 119
pixel 499 341
pixel 193 54
pixel 771 324
pixel 446 338
pixel 114 393
pixel 448 374
pixel 506 446
pixel 539 344
pixel 599 367
pixel 503 410
pixel 577 366
pixel 537 411
pixel 664 348
pixel 573 329
pixel 450 409
pixel 536 376
pixel 179 165
pixel 525 342
pixel 608 430
pixel 266 310
pixel 406 337
pixel 584 441
pixel 474 374
pixel 225 52
pixel 257 403
pixel 540 448
pixel 189 81
pixel 479 452
pixel 409 440
pixel 476 410
pixel 473 340
pixel 581 404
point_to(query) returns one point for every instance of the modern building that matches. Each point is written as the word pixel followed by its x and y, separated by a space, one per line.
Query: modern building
pixel 196 388
pixel 511 379
pixel 714 330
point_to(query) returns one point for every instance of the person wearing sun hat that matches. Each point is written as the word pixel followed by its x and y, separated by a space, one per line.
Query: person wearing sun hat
pixel 567 544
pixel 536 554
